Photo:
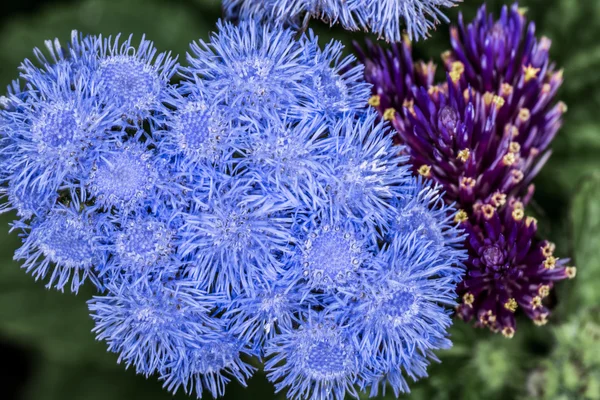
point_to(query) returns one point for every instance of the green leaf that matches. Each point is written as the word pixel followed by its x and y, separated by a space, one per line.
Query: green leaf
pixel 585 219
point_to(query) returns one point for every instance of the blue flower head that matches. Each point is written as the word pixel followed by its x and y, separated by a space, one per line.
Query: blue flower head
pixel 251 68
pixel 235 235
pixel 61 244
pixel 422 211
pixel 150 324
pixel 401 316
pixel 208 365
pixel 335 85
pixel 384 18
pixel 368 172
pixel 124 175
pixel 318 360
pixel 137 79
pixel 50 131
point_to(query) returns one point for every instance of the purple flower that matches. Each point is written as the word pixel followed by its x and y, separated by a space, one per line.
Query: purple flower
pixel 483 134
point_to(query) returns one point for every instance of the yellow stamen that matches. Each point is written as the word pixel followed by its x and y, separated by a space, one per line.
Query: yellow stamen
pixel 467 183
pixel 546 88
pixel 498 102
pixel 530 220
pixel 550 262
pixel 455 76
pixel 511 305
pixel 507 89
pixel 562 107
pixel 509 159
pixel 461 216
pixel 512 130
pixel 464 155
pixel 536 302
pixel 541 320
pixel 468 299
pixel 524 114
pixel 571 272
pixel 508 332
pixel 457 66
pixel 498 199
pixel 488 211
pixel 518 214
pixel 466 94
pixel 548 249
pixel 530 72
pixel 544 291
pixel 517 175
pixel 389 114
pixel 514 147
pixel 375 101
pixel 488 97
pixel 446 56
pixel 425 170
pixel 410 105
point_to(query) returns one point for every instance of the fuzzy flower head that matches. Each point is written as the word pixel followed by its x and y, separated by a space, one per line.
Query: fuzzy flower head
pixel 149 324
pixel 318 360
pixel 254 69
pixel 208 365
pixel 63 245
pixel 385 18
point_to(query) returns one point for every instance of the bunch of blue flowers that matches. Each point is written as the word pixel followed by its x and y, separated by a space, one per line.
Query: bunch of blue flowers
pixel 255 211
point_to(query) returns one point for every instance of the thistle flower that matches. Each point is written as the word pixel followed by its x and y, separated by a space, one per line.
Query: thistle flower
pixel 483 135
pixel 383 18
pixel 509 269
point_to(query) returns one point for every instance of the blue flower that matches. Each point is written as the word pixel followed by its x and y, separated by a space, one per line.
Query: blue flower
pixel 50 130
pixel 333 254
pixel 208 365
pixel 198 130
pixel 276 306
pixel 251 68
pixel 334 86
pixel 124 175
pixel 62 244
pixel 368 173
pixel 234 235
pixel 318 360
pixel 401 316
pixel 137 79
pixel 142 245
pixel 422 211
pixel 384 18
pixel 150 324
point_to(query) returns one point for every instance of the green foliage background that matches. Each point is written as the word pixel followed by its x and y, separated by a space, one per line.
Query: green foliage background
pixel 559 361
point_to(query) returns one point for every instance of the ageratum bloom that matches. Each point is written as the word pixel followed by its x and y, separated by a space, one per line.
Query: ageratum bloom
pixel 483 134
pixel 257 208
pixel 385 18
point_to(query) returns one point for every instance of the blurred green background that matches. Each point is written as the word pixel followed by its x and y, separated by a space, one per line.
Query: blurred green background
pixel 48 352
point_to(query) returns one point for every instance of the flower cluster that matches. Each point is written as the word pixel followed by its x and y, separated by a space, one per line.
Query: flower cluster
pixel 483 134
pixel 383 18
pixel 256 208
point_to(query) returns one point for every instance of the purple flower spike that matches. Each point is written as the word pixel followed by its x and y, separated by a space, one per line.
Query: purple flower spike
pixel 483 134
